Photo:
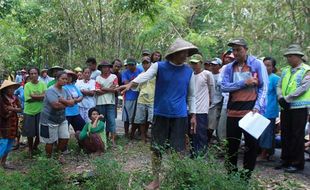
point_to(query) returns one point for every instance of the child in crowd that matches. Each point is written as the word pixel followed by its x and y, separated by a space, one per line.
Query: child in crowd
pixel 144 111
pixel 204 86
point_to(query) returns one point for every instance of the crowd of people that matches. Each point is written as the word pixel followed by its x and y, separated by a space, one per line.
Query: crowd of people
pixel 179 95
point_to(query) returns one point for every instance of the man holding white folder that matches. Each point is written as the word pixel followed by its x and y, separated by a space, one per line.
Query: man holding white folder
pixel 246 80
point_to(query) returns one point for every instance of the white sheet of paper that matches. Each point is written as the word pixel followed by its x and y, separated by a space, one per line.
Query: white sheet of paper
pixel 254 124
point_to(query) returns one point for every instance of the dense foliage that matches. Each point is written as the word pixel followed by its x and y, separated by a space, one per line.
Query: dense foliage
pixel 65 32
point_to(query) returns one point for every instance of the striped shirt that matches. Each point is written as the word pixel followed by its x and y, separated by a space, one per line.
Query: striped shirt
pixel 243 98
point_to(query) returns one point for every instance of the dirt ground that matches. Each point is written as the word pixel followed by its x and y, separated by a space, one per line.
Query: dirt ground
pixel 135 155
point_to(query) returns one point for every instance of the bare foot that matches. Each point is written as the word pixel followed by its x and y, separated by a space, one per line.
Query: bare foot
pixel 307 145
pixel 153 185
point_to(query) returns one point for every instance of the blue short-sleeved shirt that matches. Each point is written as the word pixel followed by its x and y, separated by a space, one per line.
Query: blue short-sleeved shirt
pixel 74 92
pixel 128 76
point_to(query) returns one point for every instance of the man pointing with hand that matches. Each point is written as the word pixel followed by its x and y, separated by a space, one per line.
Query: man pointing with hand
pixel 174 91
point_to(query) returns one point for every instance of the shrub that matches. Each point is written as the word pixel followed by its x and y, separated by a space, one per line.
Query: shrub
pixel 46 174
pixel 197 174
pixel 13 181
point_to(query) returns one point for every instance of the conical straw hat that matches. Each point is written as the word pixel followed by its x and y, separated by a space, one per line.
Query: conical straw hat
pixel 180 45
pixel 7 83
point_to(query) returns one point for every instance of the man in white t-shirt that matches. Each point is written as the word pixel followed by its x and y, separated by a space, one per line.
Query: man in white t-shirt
pixel 105 90
pixel 204 88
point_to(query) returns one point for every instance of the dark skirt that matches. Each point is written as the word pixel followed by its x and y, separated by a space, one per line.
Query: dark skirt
pixel 31 125
pixel 266 140
pixel 91 144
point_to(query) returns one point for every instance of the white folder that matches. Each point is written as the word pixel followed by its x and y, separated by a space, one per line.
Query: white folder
pixel 254 124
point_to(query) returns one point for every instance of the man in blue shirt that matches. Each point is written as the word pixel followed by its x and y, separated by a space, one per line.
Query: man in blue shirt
pixel 130 98
pixel 174 91
pixel 246 80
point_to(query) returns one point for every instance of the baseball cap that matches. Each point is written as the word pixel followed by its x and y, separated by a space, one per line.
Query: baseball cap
pixel 238 41
pixel 131 61
pixel 216 61
pixel 196 58
pixel 146 52
pixel 146 58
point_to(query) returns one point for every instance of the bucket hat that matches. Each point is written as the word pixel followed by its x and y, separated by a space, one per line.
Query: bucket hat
pixel 293 49
pixel 51 70
pixel 179 45
pixel 8 83
pixel 78 69
pixel 71 73
pixel 104 63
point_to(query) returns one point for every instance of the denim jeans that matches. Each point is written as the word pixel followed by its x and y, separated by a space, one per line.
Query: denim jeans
pixel 108 111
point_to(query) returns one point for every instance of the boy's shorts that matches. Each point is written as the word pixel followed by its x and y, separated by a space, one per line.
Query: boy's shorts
pixel 129 110
pixel 144 113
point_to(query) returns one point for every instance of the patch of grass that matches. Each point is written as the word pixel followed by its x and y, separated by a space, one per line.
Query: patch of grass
pixel 13 181
pixel 197 173
pixel 139 178
pixel 43 174
pixel 73 146
pixel 108 175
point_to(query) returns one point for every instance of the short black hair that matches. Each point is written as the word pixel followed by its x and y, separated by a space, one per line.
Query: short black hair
pixel 35 68
pixel 273 62
pixel 91 110
pixel 113 62
pixel 59 73
pixel 152 59
pixel 91 60
pixel 84 69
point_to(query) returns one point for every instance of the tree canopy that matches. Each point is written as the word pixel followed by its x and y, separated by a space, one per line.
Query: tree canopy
pixel 65 32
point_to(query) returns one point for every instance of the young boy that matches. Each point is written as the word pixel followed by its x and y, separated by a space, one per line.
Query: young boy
pixel 130 98
pixel 204 86
pixel 144 112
